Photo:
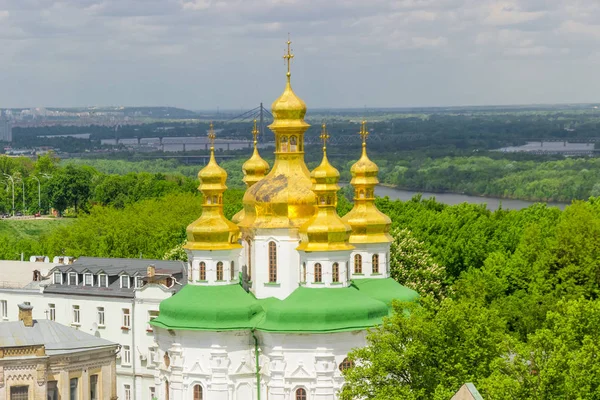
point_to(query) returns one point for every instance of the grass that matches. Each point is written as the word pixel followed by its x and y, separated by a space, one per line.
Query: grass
pixel 32 228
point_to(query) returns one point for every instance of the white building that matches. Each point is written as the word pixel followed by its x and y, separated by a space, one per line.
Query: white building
pixel 5 129
pixel 113 299
pixel 277 298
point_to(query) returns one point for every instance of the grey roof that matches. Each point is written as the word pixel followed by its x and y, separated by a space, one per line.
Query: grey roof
pixel 57 338
pixel 113 267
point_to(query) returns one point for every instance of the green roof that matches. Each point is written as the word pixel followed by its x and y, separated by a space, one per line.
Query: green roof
pixel 323 310
pixel 305 310
pixel 385 290
pixel 210 308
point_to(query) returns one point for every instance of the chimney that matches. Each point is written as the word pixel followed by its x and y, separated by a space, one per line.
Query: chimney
pixel 25 314
pixel 151 271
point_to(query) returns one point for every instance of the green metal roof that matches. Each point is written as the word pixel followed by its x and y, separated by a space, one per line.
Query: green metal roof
pixel 385 290
pixel 211 308
pixel 306 310
pixel 323 310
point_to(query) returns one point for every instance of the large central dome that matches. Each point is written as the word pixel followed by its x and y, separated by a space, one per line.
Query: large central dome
pixel 283 198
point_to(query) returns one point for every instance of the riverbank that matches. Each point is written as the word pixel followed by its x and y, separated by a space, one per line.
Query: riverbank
pixel 492 203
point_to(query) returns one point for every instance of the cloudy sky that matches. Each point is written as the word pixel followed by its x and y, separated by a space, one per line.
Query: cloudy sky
pixel 204 54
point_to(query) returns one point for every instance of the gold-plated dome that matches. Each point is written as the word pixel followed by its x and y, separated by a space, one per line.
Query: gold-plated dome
pixel 283 198
pixel 255 168
pixel 325 231
pixel 212 231
pixel 369 225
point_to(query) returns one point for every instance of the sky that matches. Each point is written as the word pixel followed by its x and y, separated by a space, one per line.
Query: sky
pixel 227 54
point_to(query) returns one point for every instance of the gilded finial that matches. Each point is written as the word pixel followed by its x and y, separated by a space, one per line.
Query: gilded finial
pixel 255 133
pixel 211 136
pixel 324 136
pixel 364 132
pixel 288 56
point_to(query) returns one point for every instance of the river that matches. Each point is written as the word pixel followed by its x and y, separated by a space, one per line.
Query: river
pixel 453 198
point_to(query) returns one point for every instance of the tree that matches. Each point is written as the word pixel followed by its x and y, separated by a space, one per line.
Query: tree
pixel 425 351
pixel 69 187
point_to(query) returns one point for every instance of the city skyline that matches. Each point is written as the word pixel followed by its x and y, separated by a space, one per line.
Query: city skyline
pixel 204 55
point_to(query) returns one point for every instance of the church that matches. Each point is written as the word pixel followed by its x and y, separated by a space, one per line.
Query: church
pixel 277 297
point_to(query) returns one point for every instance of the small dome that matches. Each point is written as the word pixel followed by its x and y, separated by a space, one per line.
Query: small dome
pixel 288 106
pixel 255 168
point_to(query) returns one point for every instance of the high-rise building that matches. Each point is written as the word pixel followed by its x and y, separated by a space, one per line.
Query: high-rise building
pixel 5 128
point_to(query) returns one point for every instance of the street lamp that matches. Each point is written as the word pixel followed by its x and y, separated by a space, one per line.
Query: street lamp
pixel 12 181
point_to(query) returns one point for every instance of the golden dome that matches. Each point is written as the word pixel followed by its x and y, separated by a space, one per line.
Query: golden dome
pixel 369 225
pixel 212 231
pixel 283 198
pixel 255 168
pixel 325 231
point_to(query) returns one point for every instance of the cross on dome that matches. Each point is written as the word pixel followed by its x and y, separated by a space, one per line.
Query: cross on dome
pixel 324 136
pixel 288 56
pixel 211 135
pixel 255 133
pixel 364 132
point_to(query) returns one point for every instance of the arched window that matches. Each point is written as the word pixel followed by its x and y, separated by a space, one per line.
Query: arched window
pixel 346 364
pixel 318 273
pixel 357 264
pixel 219 271
pixel 300 394
pixel 293 143
pixel 284 144
pixel 375 263
pixel 335 275
pixel 232 271
pixel 167 391
pixel 202 271
pixel 197 392
pixel 304 272
pixel 272 262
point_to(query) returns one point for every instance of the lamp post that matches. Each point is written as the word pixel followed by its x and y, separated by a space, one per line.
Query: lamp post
pixel 12 181
pixel 39 193
pixel 23 182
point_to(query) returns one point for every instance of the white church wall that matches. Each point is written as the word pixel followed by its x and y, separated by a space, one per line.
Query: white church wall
pixel 326 259
pixel 211 260
pixel 366 251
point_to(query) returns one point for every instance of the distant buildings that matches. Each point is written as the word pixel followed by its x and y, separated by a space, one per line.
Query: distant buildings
pixel 113 299
pixel 5 128
pixel 44 360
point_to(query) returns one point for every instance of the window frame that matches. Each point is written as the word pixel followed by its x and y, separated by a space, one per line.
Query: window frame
pixel 100 277
pixel 272 253
pixel 100 313
pixel 198 392
pixel 126 318
pixel 138 282
pixel 318 273
pixel 126 356
pixel 232 270
pixel 335 272
pixel 358 264
pixel 202 271
pixel 69 278
pixel 4 309
pixel 220 271
pixel 151 315
pixel 375 263
pixel 60 275
pixel 76 315
pixel 85 278
pixel 300 394
pixel 52 311
pixel 121 281
pixel 127 391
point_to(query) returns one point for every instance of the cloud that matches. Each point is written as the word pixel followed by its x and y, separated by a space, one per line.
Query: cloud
pixel 209 53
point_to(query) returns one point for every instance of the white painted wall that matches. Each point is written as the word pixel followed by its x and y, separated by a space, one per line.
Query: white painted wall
pixel 224 364
pixel 366 251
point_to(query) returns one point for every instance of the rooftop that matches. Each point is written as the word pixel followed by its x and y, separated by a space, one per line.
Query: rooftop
pixel 56 338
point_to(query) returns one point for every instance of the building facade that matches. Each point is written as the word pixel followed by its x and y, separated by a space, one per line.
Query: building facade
pixel 112 299
pixel 44 360
pixel 277 297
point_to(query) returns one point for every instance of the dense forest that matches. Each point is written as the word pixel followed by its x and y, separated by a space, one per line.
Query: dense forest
pixel 509 299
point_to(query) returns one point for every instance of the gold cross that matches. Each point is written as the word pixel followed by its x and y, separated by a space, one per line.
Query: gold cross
pixel 255 132
pixel 364 132
pixel 324 135
pixel 288 56
pixel 211 135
